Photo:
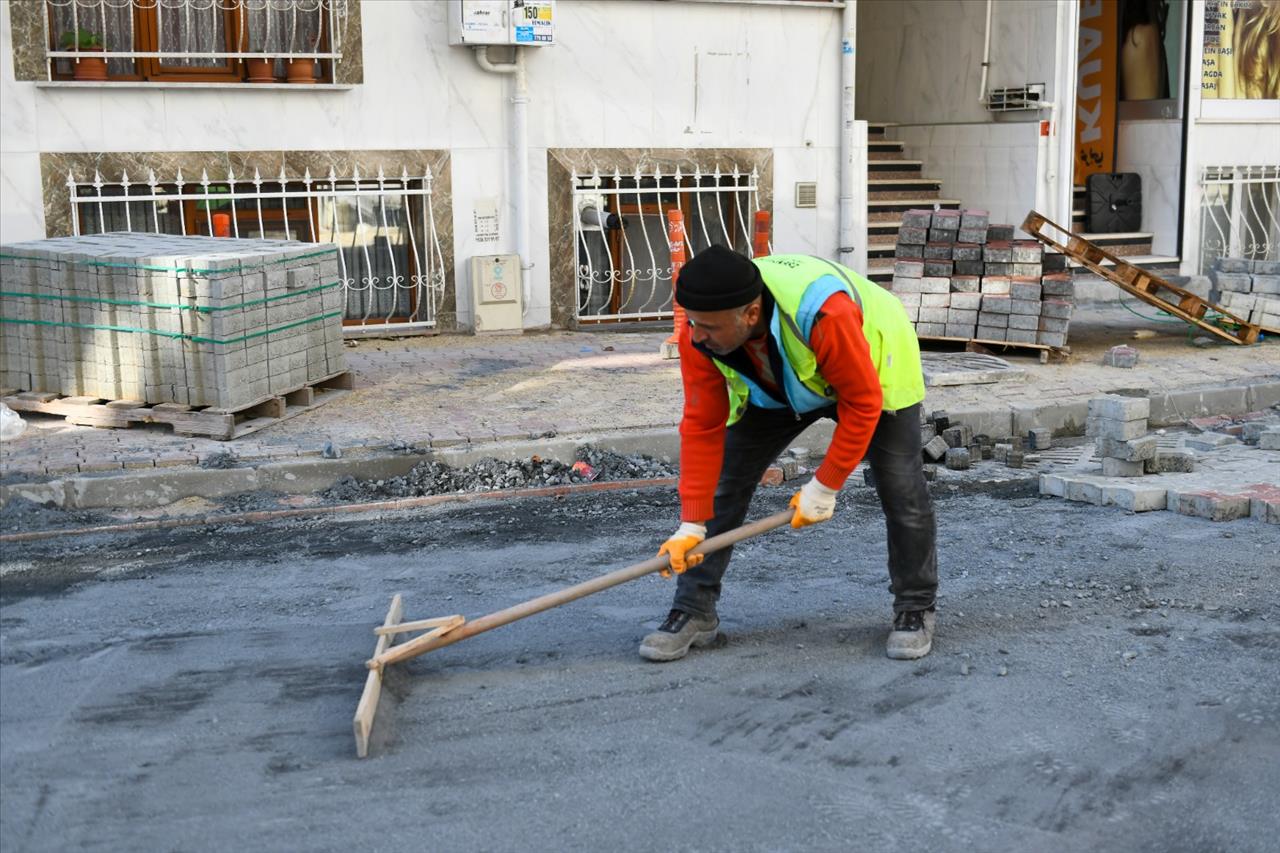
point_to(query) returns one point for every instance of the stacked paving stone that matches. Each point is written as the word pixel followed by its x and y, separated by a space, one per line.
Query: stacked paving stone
pixel 1119 427
pixel 961 277
pixel 169 319
pixel 1248 289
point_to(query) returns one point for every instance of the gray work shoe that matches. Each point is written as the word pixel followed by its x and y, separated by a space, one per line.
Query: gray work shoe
pixel 912 635
pixel 681 630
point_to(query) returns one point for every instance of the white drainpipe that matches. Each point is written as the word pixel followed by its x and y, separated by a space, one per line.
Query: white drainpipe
pixel 519 157
pixel 849 241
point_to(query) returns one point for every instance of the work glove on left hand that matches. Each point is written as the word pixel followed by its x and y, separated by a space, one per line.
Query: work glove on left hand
pixel 812 504
pixel 686 538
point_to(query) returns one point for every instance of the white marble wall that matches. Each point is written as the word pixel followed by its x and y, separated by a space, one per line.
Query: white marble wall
pixel 1153 149
pixel 988 166
pixel 920 61
pixel 625 73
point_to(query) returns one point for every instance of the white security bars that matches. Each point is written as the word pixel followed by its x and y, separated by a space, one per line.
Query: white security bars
pixel 390 259
pixel 1239 213
pixel 192 34
pixel 620 234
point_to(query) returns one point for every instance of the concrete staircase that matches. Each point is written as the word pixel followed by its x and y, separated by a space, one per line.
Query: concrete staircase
pixel 895 184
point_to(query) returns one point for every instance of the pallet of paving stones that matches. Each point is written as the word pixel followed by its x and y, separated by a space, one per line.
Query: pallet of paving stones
pixel 1143 284
pixel 1042 351
pixel 961 278
pixel 198 421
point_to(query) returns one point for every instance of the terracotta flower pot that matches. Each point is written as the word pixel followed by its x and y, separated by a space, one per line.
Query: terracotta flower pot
pixel 90 67
pixel 261 70
pixel 301 71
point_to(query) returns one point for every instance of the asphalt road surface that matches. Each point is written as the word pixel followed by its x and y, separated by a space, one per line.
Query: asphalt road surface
pixel 1100 681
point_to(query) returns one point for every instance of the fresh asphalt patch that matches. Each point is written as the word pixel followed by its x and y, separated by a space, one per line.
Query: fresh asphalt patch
pixel 1099 681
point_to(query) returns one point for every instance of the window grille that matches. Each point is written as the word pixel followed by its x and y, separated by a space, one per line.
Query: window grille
pixel 207 40
pixel 620 234
pixel 390 257
pixel 1239 213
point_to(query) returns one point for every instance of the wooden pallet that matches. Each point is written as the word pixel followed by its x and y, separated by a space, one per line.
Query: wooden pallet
pixel 979 345
pixel 1145 285
pixel 219 424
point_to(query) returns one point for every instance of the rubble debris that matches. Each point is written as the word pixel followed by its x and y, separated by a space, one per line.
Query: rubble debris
pixel 1120 356
pixel 437 478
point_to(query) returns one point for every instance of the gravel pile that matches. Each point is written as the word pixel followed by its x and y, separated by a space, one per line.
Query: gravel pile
pixel 437 478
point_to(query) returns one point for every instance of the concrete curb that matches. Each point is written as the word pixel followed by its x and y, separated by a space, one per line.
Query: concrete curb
pixel 151 488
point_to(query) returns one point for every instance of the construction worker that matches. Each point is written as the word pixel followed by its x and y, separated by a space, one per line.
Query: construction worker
pixel 772 345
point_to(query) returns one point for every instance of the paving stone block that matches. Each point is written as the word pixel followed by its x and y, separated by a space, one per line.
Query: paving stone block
pixel 972 235
pixel 1113 429
pixel 999 232
pixel 990 333
pixel 959 435
pixel 773 476
pixel 1023 288
pixel 1057 309
pixel 958 458
pixel 1133 450
pixel 1053 262
pixel 966 252
pixel 994 304
pixel 1053 485
pixel 1210 504
pixel 914 235
pixel 1024 321
pixel 1264 267
pixel 1112 467
pixel 1053 325
pixel 908 251
pixel 996 285
pixel 917 217
pixel 965 284
pixel 996 252
pixel 1030 307
pixel 1210 441
pixel 1083 491
pixel 996 268
pixel 935 300
pixel 1058 285
pixel 930 330
pixel 1022 336
pixel 935 284
pixel 937 251
pixel 1238 282
pixel 946 219
pixel 902 284
pixel 1269 439
pixel 941 269
pixel 974 268
pixel 932 315
pixel 1232 265
pixel 1120 407
pixel 943 235
pixel 966 301
pixel 936 448
pixel 1264 502
pixel 975 218
pixel 908 269
pixel 1028 270
pixel 963 331
pixel 1136 497
pixel 1120 356
pixel 1040 438
pixel 987 318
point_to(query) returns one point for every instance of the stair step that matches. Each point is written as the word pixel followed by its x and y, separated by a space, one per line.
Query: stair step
pixel 1144 261
pixel 884 144
pixel 890 209
pixel 888 168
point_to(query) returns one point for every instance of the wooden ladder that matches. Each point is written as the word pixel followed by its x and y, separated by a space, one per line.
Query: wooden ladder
pixel 1145 285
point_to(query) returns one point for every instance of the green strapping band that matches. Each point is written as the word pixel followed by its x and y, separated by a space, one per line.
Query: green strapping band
pixel 197 308
pixel 179 335
pixel 189 270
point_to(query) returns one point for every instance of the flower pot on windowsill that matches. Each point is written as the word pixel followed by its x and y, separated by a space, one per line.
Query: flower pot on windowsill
pixel 301 71
pixel 261 70
pixel 90 67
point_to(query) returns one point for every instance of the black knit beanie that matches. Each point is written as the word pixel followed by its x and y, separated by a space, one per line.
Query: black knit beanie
pixel 717 279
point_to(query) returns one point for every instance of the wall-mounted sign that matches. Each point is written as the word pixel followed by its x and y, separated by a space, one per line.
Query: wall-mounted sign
pixel 1096 89
pixel 1241 50
pixel 485 219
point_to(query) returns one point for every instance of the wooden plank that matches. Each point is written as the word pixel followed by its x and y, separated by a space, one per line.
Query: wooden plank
pixel 419 625
pixel 344 381
pixel 367 707
pixel 413 648
pixel 272 407
pixel 302 397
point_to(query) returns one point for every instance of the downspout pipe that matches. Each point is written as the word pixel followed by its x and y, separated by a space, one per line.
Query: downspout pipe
pixel 848 240
pixel 519 157
pixel 986 57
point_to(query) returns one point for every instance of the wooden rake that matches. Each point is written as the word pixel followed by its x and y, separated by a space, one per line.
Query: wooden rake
pixel 446 630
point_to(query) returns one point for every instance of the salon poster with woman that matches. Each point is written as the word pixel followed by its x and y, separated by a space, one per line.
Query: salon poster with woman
pixel 1241 50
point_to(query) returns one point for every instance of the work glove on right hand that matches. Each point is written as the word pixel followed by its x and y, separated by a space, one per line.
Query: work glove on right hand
pixel 812 504
pixel 677 547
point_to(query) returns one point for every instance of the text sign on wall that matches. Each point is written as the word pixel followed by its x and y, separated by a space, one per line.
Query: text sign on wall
pixel 1096 89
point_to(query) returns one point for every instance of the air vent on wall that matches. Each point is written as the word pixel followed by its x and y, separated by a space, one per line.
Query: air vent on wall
pixel 806 194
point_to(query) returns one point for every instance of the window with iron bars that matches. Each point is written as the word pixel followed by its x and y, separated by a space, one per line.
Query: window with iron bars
pixel 623 257
pixel 229 41
pixel 389 252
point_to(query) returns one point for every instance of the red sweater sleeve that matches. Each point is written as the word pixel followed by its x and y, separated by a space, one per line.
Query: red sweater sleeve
pixel 702 428
pixel 844 360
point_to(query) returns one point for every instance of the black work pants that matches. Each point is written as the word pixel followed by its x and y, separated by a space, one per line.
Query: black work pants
pixel 755 441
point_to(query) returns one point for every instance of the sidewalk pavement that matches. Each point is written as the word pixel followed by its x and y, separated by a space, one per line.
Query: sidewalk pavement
pixel 448 394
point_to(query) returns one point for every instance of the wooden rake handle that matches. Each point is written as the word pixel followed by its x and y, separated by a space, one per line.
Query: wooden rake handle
pixel 427 643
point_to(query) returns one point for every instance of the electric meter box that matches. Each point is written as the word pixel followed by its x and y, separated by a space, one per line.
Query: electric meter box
pixel 505 22
pixel 499 303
